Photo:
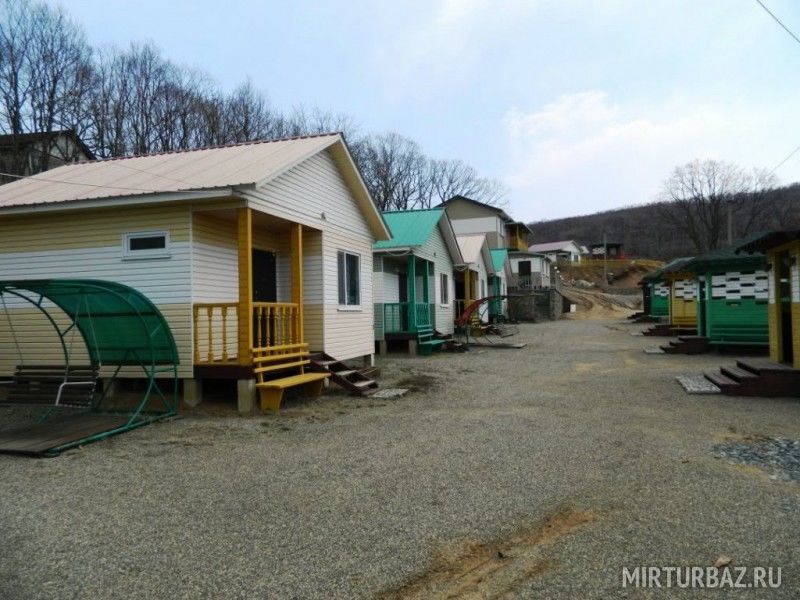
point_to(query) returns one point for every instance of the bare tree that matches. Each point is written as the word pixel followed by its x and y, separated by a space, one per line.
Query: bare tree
pixel 394 169
pixel 135 101
pixel 45 74
pixel 699 196
pixel 454 177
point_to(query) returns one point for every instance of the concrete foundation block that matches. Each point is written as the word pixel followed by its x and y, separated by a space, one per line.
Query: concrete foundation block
pixel 245 395
pixel 192 392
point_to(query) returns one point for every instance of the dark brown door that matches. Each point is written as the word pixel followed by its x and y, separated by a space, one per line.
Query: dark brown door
pixel 265 279
pixel 784 266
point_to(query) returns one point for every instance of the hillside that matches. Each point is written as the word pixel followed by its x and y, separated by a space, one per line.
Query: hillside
pixel 643 233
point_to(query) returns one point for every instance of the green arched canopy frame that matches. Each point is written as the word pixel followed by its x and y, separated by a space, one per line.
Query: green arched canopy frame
pixel 119 326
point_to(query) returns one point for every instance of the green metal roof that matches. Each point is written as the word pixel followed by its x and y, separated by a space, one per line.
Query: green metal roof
pixel 764 241
pixel 727 258
pixel 119 325
pixel 409 227
pixel 499 256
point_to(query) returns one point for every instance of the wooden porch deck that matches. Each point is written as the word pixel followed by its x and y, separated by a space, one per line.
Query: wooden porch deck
pixel 40 438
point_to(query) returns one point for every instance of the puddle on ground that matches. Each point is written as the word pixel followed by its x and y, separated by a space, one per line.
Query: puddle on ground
pixel 417 382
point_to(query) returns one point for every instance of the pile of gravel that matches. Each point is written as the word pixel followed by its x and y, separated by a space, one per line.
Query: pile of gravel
pixel 779 455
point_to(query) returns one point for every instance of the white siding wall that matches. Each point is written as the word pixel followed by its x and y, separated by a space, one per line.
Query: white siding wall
pixel 391 287
pixel 304 194
pixel 89 245
pixel 475 225
pixel 214 259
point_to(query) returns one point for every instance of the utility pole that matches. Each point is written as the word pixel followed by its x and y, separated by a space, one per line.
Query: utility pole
pixel 605 259
pixel 730 222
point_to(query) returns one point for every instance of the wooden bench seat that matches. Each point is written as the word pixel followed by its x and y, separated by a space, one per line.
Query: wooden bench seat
pixel 425 340
pixel 42 385
pixel 287 365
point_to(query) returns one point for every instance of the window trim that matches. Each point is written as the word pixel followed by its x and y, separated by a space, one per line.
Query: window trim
pixel 345 307
pixel 128 254
pixel 444 300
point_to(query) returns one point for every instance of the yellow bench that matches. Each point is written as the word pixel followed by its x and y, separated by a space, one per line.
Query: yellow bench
pixel 279 360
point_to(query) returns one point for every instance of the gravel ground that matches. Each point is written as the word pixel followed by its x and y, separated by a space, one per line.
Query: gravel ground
pixel 538 472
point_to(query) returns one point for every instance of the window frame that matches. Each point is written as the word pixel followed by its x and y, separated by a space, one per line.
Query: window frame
pixel 341 280
pixel 128 254
pixel 444 290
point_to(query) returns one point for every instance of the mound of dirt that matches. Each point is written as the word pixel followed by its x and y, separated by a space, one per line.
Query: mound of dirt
pixel 620 275
pixel 601 305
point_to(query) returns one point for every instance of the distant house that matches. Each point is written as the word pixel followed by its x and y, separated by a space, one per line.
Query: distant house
pixel 31 153
pixel 609 250
pixel 413 275
pixel 564 251
pixel 530 271
pixel 470 217
pixel 246 249
pixel 472 283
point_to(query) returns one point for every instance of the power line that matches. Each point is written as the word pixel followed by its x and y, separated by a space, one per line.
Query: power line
pixel 778 21
pixel 780 164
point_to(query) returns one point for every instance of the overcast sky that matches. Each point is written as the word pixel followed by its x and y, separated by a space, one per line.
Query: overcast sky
pixel 577 105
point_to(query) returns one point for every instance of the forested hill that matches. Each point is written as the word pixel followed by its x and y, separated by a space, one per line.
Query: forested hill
pixel 645 233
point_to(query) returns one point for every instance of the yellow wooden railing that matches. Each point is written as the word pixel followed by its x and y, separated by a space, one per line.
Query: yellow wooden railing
pixel 275 324
pixel 216 339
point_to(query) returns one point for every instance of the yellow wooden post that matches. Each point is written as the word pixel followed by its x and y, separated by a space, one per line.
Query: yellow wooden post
pixel 297 278
pixel 244 315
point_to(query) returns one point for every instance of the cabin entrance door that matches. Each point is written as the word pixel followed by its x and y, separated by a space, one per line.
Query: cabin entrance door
pixel 784 298
pixel 265 289
pixel 265 277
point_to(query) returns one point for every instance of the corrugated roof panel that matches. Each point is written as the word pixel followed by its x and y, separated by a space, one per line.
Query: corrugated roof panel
pixel 499 257
pixel 470 246
pixel 222 167
pixel 550 246
pixel 409 227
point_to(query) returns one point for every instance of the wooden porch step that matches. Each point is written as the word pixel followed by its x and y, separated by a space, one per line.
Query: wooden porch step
pixel 345 373
pixel 737 374
pixel 352 380
pixel 364 384
pixel 759 365
pixel 725 384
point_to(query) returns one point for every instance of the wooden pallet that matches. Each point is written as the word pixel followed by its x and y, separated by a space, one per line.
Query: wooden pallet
pixel 43 438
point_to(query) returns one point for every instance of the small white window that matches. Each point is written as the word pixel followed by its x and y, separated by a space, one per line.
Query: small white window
pixel 146 244
pixel 349 278
pixel 444 289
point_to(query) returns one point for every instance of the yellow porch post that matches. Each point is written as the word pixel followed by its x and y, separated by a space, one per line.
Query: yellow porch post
pixel 245 310
pixel 297 277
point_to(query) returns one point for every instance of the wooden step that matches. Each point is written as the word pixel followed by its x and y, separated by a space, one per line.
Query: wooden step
pixel 738 374
pixel 721 381
pixel 363 384
pixel 345 372
pixel 759 365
